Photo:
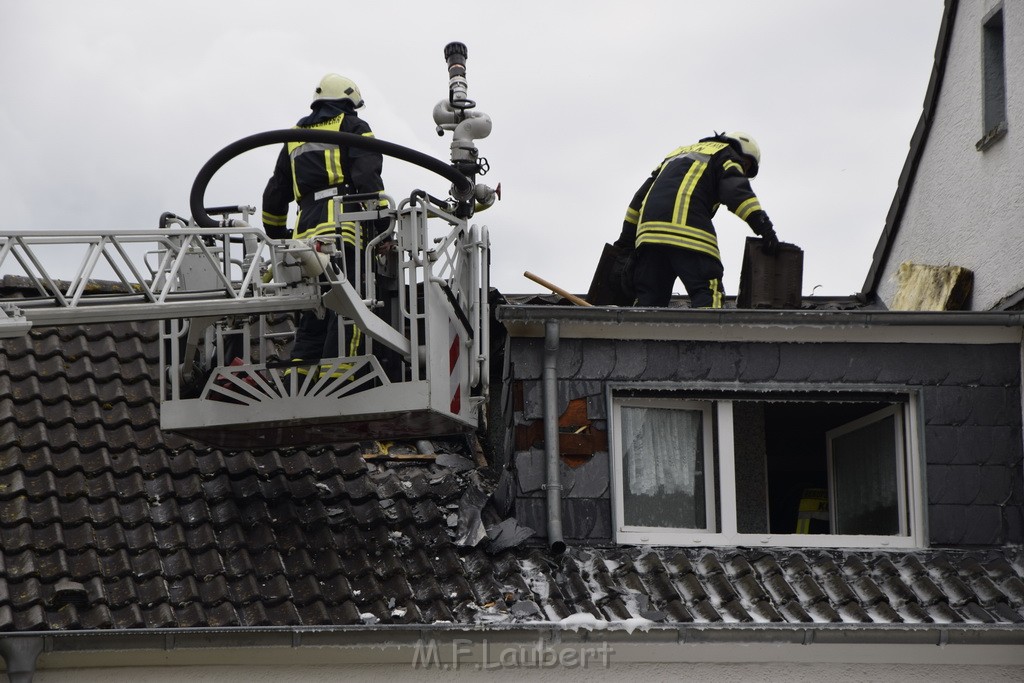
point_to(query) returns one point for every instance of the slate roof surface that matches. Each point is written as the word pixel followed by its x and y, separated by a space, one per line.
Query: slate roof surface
pixel 108 523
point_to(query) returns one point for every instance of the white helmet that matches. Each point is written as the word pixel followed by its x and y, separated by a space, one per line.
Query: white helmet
pixel 749 148
pixel 335 87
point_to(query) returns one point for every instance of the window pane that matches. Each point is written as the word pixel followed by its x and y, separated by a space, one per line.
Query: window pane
pixel 864 468
pixel 663 463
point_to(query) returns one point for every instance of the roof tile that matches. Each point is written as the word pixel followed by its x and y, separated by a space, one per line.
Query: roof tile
pixel 254 614
pixel 347 613
pixel 336 589
pixel 912 613
pixel 866 590
pixel 704 611
pixel 132 513
pixel 306 591
pixel 190 615
pixel 734 612
pixel 223 614
pixel 126 463
pixel 160 616
pixel 24 592
pixel 677 612
pixel 63 618
pixel 298 563
pixel 615 610
pixel 120 592
pixel 1005 613
pixel 238 563
pixel 225 513
pixel 975 613
pixel 147 564
pixel 85 565
pixel 314 614
pixel 195 513
pixel 183 590
pixel 98 616
pixel 201 538
pixel 213 590
pixel 169 538
pixel 882 613
pixel 821 611
pixel 365 589
pixel 851 612
pixel 244 590
pixel 31 618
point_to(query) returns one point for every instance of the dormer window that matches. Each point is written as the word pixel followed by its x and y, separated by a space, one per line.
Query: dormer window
pixel 706 467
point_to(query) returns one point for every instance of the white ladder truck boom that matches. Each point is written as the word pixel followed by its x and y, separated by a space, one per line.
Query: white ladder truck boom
pixel 222 291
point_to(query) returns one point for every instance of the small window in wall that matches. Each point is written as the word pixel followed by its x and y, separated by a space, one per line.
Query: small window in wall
pixel 993 65
pixel 696 468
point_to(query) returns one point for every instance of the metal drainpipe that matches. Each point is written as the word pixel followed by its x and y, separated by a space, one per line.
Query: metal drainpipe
pixel 20 655
pixel 553 482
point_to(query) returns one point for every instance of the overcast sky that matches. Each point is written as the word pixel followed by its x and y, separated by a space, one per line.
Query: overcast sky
pixel 108 109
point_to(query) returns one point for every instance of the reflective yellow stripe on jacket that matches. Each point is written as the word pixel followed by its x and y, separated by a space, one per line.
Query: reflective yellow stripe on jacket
pixel 334 177
pixel 674 228
pixel 331 154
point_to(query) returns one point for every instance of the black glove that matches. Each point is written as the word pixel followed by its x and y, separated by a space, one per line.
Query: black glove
pixel 770 242
pixel 762 226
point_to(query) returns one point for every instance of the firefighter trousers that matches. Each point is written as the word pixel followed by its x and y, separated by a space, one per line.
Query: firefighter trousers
pixel 658 266
pixel 317 337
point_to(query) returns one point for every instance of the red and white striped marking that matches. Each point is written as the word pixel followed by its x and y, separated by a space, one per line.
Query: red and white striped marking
pixel 454 369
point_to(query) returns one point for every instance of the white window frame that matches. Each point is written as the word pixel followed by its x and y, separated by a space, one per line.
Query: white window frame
pixel 911 486
pixel 646 534
pixel 899 444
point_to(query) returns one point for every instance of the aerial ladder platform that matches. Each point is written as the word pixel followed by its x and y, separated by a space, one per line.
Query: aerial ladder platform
pixel 223 293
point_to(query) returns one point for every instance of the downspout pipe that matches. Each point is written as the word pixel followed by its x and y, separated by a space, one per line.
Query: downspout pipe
pixel 553 480
pixel 20 655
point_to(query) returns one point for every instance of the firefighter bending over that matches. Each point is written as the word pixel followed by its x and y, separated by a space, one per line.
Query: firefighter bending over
pixel 669 220
pixel 311 175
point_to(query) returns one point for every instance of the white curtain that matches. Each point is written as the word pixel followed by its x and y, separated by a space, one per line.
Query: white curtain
pixel 663 466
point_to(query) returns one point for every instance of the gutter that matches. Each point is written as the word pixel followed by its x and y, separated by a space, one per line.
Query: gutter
pixel 758 317
pixel 566 632
pixel 446 646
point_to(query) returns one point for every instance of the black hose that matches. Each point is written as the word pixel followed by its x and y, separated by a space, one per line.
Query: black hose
pixel 164 218
pixel 463 185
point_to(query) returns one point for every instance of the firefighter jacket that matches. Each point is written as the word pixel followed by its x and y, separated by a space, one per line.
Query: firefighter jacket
pixel 676 203
pixel 311 174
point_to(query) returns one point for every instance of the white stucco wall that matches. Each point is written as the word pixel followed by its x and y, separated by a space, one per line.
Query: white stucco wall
pixel 966 207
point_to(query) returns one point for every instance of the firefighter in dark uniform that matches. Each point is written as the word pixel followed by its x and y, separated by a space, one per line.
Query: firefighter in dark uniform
pixel 311 175
pixel 669 220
